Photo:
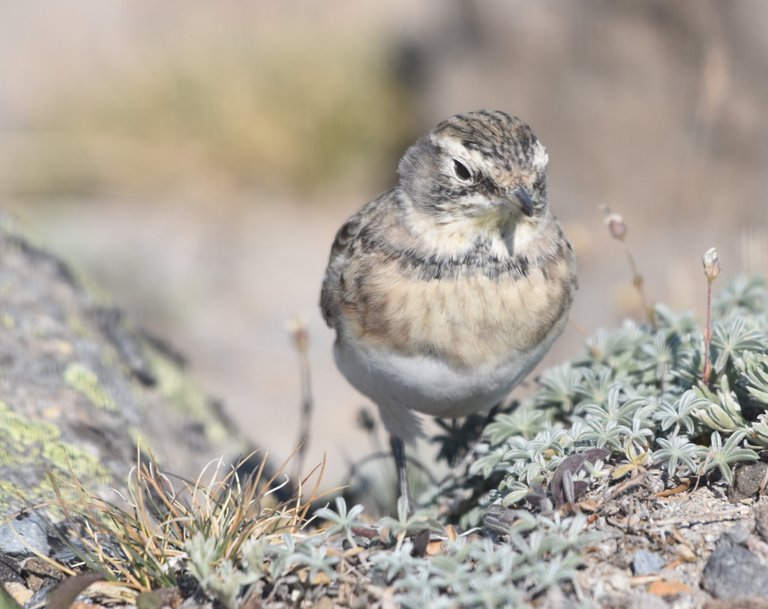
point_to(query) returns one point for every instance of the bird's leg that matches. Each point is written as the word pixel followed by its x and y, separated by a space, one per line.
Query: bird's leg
pixel 398 452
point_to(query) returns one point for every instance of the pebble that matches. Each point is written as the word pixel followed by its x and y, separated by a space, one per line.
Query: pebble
pixel 737 535
pixel 760 512
pixel 23 535
pixel 732 571
pixel 647 563
pixel 747 481
pixel 20 593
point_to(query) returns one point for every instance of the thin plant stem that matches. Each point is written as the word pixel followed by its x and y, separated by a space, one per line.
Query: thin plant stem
pixel 639 283
pixel 301 343
pixel 307 404
pixel 711 263
pixel 708 337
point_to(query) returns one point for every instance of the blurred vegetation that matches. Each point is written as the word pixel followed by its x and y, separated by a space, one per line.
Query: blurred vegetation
pixel 227 115
pixel 540 494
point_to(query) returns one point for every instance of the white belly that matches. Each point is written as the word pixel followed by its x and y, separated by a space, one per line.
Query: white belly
pixel 401 384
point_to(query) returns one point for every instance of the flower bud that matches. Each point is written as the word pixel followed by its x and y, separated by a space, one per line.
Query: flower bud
pixel 711 264
pixel 616 226
pixel 297 327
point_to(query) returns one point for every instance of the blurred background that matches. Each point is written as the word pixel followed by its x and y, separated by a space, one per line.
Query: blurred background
pixel 196 158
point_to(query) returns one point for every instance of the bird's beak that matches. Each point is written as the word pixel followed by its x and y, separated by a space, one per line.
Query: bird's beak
pixel 520 198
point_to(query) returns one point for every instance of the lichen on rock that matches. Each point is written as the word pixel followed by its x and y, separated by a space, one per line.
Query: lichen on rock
pixel 79 384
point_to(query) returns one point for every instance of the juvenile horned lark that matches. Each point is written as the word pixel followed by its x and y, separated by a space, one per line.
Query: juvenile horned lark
pixel 448 289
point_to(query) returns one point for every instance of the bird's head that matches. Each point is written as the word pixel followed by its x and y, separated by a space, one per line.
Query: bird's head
pixel 483 165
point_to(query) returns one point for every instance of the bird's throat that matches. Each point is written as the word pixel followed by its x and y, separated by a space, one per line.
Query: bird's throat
pixel 453 237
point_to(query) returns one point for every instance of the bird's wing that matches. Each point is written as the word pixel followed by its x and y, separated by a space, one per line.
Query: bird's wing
pixel 345 245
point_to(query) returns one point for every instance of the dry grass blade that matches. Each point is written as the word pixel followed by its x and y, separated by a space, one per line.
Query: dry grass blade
pixel 140 537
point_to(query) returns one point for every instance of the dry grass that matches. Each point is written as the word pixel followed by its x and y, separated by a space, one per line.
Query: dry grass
pixel 136 540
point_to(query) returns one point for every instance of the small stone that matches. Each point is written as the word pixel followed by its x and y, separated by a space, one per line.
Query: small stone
pixel 647 563
pixel 685 553
pixel 746 482
pixel 40 573
pixel 20 593
pixel 734 571
pixel 761 520
pixel 619 582
pixel 24 535
pixel 10 570
pixel 737 535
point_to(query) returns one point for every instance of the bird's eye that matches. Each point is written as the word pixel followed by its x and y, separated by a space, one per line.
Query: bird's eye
pixel 462 171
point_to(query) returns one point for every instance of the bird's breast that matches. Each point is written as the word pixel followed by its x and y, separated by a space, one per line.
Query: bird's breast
pixel 469 320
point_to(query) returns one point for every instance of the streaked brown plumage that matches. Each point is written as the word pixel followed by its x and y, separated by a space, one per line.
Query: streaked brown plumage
pixel 448 289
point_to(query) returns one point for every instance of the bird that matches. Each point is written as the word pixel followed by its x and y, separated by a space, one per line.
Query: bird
pixel 445 291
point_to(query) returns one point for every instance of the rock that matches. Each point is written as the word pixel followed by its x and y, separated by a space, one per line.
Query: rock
pixel 732 571
pixel 25 535
pixel 10 570
pixel 81 384
pixel 760 512
pixel 647 563
pixel 20 593
pixel 40 574
pixel 748 480
pixel 737 535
